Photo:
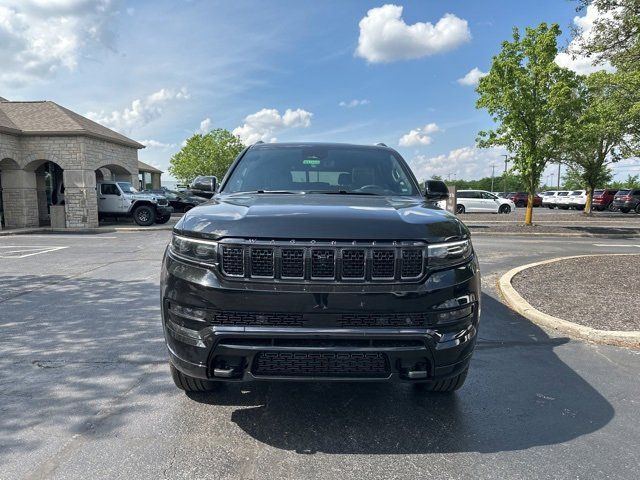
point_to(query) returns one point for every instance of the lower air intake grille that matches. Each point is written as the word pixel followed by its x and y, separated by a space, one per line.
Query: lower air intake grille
pixel 321 364
pixel 255 318
pixel 392 320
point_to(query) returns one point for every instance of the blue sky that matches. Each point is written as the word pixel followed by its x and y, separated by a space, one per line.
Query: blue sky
pixel 346 71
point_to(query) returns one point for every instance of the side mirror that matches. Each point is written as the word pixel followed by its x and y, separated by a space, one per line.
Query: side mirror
pixel 435 190
pixel 205 184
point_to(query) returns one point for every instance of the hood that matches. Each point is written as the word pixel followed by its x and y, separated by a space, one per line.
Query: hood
pixel 317 217
pixel 144 196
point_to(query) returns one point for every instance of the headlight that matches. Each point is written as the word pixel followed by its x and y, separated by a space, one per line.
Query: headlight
pixel 202 251
pixel 449 254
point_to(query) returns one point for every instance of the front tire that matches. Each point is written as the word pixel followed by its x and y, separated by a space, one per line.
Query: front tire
pixel 191 384
pixel 625 209
pixel 144 215
pixel 504 209
pixel 459 209
pixel 638 208
pixel 448 385
pixel 162 219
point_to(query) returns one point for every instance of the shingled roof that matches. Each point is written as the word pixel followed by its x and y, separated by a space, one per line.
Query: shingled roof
pixel 49 118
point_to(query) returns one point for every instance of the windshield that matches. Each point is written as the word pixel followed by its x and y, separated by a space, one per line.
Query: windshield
pixel 321 169
pixel 126 187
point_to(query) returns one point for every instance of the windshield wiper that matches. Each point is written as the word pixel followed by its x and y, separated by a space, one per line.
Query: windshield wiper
pixel 340 192
pixel 271 191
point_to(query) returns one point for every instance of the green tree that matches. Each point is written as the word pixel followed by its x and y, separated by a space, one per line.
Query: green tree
pixel 208 154
pixel 577 178
pixel 530 98
pixel 598 134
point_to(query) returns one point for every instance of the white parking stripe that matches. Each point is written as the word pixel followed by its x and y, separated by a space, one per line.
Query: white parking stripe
pixel 624 245
pixel 26 251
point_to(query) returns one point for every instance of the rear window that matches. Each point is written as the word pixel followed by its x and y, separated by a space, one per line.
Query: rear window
pixel 576 192
pixel 563 194
pixel 598 193
pixel 623 192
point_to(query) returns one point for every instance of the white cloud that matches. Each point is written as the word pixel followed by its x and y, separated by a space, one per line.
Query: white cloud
pixel 385 37
pixel 205 126
pixel 472 77
pixel 354 103
pixel 40 38
pixel 466 162
pixel 419 136
pixel 263 124
pixel 158 145
pixel 141 112
pixel 579 63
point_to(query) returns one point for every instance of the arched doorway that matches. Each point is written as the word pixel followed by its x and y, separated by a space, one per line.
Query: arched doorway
pixel 8 211
pixel 50 190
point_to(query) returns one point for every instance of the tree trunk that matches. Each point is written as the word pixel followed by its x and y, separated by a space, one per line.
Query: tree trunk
pixel 587 205
pixel 528 217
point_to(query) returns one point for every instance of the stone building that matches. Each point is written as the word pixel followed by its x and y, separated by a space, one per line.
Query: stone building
pixel 50 155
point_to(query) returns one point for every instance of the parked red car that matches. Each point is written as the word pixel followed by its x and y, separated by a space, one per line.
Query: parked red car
pixel 603 199
pixel 521 198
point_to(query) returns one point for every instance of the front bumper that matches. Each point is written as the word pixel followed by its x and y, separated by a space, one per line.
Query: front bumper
pixel 201 347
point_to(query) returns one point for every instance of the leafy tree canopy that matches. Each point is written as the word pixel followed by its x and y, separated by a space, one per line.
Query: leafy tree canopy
pixel 209 154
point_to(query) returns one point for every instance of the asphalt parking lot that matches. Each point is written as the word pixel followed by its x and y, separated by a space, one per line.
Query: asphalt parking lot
pixel 85 390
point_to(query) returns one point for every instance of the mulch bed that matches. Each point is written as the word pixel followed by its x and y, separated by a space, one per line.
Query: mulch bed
pixel 597 291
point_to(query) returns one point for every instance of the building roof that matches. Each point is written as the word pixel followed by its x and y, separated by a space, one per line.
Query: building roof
pixel 145 167
pixel 49 118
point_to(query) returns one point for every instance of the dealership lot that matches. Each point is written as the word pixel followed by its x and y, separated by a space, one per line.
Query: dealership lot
pixel 84 386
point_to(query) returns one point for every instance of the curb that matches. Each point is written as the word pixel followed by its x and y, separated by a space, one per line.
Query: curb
pixel 81 231
pixel 514 300
pixel 476 233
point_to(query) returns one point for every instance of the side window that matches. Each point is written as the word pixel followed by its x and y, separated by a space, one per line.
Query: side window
pixel 463 194
pixel 109 189
pixel 487 196
pixel 475 195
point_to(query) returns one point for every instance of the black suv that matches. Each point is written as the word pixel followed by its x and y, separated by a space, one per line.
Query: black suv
pixel 320 261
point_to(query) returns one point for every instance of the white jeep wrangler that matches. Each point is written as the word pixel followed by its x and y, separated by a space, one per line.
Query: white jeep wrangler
pixel 120 199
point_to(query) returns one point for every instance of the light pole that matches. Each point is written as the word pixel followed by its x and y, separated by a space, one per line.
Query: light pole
pixel 559 165
pixel 506 160
pixel 493 173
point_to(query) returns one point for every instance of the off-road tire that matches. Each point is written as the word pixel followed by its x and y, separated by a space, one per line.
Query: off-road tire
pixel 162 219
pixel 444 386
pixel 144 215
pixel 191 384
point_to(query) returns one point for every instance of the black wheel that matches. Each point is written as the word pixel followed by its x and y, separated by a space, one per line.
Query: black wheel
pixel 191 384
pixel 550 207
pixel 625 209
pixel 459 209
pixel 144 215
pixel 163 218
pixel 444 386
pixel 504 209
pixel 520 204
pixel 611 208
pixel 638 208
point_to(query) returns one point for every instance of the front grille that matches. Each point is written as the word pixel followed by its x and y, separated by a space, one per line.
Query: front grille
pixel 233 261
pixel 323 261
pixel 384 265
pixel 262 262
pixel 353 263
pixel 292 263
pixel 391 320
pixel 411 263
pixel 321 364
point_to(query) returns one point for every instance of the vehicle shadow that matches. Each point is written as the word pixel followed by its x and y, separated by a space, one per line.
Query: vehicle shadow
pixel 518 395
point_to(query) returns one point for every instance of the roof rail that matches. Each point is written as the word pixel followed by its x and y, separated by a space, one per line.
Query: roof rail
pixel 381 144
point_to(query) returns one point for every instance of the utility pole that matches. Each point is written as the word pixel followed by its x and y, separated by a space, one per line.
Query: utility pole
pixel 559 165
pixel 506 160
pixel 552 175
pixel 493 173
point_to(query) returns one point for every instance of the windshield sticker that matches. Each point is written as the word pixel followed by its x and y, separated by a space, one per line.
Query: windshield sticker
pixel 311 161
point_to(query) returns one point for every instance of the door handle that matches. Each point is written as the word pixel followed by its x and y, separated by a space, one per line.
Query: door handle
pixel 102 198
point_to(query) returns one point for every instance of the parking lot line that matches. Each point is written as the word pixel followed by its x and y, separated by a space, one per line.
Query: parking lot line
pixel 615 245
pixel 26 251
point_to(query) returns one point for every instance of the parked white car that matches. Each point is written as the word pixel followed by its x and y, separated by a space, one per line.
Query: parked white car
pixel 548 198
pixel 577 199
pixel 562 201
pixel 554 200
pixel 480 201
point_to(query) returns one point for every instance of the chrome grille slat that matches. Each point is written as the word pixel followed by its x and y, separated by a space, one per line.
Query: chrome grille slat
pixel 323 261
